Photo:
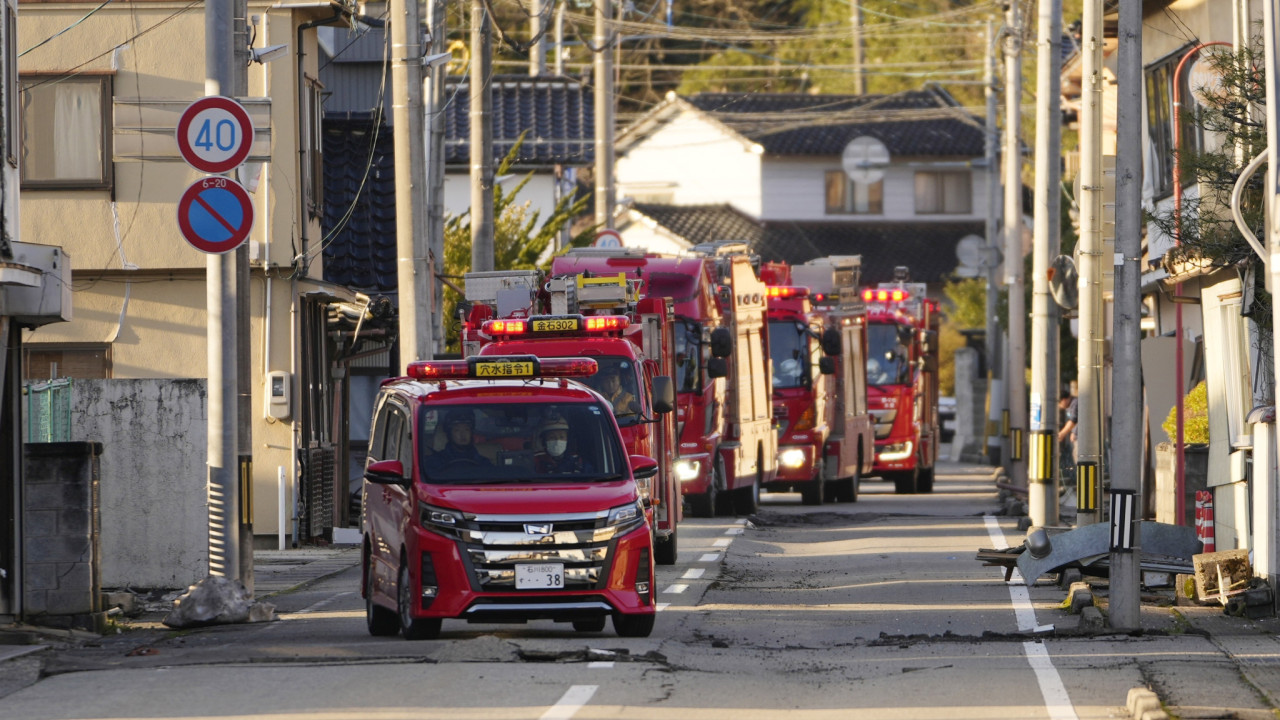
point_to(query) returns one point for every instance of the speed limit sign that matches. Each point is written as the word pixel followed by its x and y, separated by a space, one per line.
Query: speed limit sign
pixel 215 134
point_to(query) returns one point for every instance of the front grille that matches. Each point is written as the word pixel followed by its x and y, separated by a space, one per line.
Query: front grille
pixel 493 546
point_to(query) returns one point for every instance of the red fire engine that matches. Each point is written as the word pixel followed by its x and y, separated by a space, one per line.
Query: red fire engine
pixel 452 529
pixel 902 379
pixel 728 447
pixel 631 341
pixel 817 338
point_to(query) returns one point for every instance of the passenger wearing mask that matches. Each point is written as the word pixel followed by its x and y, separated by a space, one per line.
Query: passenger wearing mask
pixel 555 458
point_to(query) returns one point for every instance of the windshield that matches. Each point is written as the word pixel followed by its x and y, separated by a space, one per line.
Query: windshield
pixel 688 355
pixel 789 348
pixel 616 380
pixel 518 442
pixel 887 359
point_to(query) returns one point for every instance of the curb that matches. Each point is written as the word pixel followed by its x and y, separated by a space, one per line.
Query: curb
pixel 1144 704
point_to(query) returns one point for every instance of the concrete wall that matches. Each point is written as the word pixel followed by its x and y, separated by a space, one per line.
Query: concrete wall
pixel 61 535
pixel 971 410
pixel 154 505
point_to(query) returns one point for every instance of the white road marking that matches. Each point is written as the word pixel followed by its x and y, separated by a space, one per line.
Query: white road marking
pixel 662 606
pixel 710 558
pixel 693 573
pixel 722 542
pixel 600 664
pixel 675 589
pixel 570 703
pixel 735 531
pixel 1056 699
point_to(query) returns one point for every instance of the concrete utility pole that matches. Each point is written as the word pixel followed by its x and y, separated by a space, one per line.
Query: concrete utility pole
pixel 1042 469
pixel 413 269
pixel 538 30
pixel 606 196
pixel 220 303
pixel 1015 377
pixel 433 99
pixel 995 389
pixel 1092 336
pixel 859 49
pixel 481 139
pixel 1271 38
pixel 1126 394
pixel 241 55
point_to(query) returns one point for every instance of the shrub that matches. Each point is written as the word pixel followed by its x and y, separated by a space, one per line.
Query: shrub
pixel 1195 417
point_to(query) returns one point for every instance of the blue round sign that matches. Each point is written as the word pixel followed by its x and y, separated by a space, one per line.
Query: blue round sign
pixel 215 214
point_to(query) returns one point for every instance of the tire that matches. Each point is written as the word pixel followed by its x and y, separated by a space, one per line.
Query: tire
pixel 814 492
pixel 724 498
pixel 704 504
pixel 665 549
pixel 637 626
pixel 412 628
pixel 904 483
pixel 924 483
pixel 746 500
pixel 381 621
pixel 593 625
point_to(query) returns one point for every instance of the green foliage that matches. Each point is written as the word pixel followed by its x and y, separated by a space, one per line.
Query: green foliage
pixel 1195 417
pixel 967 308
pixel 518 238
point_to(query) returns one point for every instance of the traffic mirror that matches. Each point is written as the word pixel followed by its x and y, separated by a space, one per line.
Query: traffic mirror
pixel 664 394
pixel 717 368
pixel 831 341
pixel 827 365
pixel 721 342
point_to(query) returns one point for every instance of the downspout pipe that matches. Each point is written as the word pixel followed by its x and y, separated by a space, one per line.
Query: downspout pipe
pixel 1180 471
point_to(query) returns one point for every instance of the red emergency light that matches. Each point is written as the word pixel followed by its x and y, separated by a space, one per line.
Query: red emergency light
pixel 787 291
pixel 606 323
pixel 500 367
pixel 885 295
pixel 505 327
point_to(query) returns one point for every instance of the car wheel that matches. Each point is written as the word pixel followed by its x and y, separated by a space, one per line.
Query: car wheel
pixel 380 621
pixel 925 482
pixel 633 625
pixel 904 482
pixel 412 628
pixel 814 491
pixel 704 505
pixel 592 625
pixel 746 500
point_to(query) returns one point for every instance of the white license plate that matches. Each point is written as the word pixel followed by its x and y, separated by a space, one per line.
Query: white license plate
pixel 542 576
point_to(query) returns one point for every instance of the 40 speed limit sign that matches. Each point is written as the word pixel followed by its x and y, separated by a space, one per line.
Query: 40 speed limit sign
pixel 215 134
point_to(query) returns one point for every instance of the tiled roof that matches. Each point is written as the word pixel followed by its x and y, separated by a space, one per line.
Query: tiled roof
pixel 362 253
pixel 557 111
pixel 928 248
pixel 911 124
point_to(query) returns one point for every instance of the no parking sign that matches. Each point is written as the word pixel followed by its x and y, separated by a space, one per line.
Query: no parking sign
pixel 215 214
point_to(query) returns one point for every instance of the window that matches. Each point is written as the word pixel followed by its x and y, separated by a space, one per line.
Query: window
pixel 943 193
pixel 11 86
pixel 47 362
pixel 1160 114
pixel 846 197
pixel 312 157
pixel 65 131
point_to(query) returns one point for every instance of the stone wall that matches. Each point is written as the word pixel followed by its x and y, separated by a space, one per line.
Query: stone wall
pixel 62 550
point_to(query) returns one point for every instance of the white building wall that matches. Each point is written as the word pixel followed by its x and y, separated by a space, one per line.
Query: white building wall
pixel 794 189
pixel 691 161
pixel 539 193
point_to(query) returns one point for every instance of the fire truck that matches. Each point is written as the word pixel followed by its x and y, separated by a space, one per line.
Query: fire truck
pixel 631 340
pixel 818 339
pixel 902 381
pixel 727 444
pixel 451 527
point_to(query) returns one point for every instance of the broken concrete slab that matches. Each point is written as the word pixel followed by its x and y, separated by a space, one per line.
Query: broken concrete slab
pixel 1163 547
pixel 1222 574
pixel 217 601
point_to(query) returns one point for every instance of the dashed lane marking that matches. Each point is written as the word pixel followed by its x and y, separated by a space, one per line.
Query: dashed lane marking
pixel 735 531
pixel 693 573
pixel 570 703
pixel 662 606
pixel 722 542
pixel 675 589
pixel 600 664
pixel 710 558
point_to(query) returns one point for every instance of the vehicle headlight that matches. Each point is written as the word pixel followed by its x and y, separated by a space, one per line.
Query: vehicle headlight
pixel 791 458
pixel 896 451
pixel 623 517
pixel 687 470
pixel 441 520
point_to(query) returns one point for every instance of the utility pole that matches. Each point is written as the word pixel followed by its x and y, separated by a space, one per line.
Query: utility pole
pixel 859 49
pixel 538 50
pixel 481 139
pixel 606 196
pixel 1042 469
pixel 1092 337
pixel 1271 38
pixel 223 485
pixel 1126 394
pixel 991 265
pixel 413 271
pixel 1015 377
pixel 433 99
pixel 243 296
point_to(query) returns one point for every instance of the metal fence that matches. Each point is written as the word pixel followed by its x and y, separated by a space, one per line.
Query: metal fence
pixel 48 411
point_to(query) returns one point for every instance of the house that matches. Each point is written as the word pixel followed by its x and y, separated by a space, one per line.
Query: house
pixel 822 174
pixel 101 174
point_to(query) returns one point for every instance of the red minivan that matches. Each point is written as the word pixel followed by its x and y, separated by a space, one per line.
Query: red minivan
pixel 498 489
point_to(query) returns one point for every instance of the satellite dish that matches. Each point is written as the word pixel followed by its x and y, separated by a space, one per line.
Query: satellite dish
pixel 864 159
pixel 1064 282
pixel 969 251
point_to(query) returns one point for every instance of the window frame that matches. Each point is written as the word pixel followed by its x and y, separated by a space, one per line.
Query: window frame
pixel 105 177
pixel 1157 82
pixel 12 89
pixel 104 348
pixel 939 177
pixel 848 191
pixel 312 159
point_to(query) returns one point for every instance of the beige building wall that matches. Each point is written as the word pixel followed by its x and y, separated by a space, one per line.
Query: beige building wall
pixel 138 286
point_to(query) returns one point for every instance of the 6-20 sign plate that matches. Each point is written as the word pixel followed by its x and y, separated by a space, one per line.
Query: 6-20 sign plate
pixel 215 134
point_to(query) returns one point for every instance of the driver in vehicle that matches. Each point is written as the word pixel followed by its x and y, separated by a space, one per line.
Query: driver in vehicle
pixel 459 426
pixel 555 458
pixel 623 402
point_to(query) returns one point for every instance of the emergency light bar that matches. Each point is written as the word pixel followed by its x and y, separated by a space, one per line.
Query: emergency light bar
pixel 787 291
pixel 885 295
pixel 499 367
pixel 547 324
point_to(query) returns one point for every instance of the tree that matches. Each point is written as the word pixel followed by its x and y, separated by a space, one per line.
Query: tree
pixel 518 240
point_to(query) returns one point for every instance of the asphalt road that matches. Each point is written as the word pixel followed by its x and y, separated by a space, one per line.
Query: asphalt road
pixel 875 609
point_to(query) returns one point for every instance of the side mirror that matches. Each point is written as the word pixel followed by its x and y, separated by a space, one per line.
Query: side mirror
pixel 643 467
pixel 931 364
pixel 831 342
pixel 929 340
pixel 827 365
pixel 717 367
pixel 721 342
pixel 664 394
pixel 385 472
